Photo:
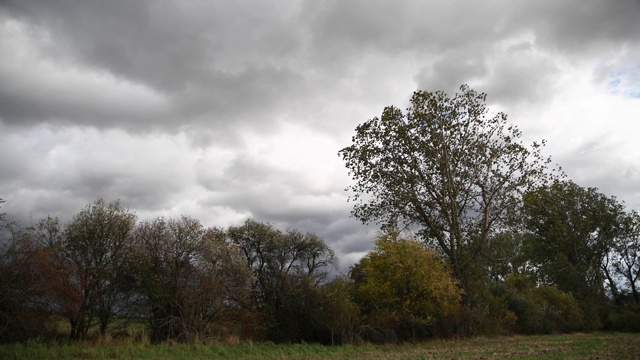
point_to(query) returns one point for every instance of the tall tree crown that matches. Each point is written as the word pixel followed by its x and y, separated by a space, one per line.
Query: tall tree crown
pixel 447 166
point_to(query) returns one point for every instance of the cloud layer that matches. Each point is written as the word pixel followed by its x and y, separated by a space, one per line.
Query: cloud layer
pixel 224 110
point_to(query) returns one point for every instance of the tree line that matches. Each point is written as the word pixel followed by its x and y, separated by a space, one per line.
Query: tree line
pixel 478 236
pixel 530 250
pixel 186 282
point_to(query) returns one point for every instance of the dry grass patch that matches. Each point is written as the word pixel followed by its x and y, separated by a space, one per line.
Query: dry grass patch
pixel 574 346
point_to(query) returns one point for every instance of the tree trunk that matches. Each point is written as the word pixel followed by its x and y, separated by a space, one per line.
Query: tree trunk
pixel 104 323
pixel 74 330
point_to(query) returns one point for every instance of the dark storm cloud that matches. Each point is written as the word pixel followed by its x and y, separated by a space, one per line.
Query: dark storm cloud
pixel 355 26
pixel 579 26
pixel 226 64
pixel 165 45
pixel 212 64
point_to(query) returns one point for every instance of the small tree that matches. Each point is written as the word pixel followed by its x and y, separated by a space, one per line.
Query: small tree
pixel 505 256
pixel 402 278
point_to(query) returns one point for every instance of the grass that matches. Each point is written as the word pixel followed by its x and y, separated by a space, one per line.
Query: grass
pixel 574 346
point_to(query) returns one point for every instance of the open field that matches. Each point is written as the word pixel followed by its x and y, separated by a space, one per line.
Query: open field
pixel 575 346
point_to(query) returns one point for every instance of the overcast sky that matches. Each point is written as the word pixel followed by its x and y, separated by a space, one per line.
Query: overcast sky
pixel 224 110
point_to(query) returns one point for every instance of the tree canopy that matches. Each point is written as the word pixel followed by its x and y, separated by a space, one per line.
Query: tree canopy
pixel 287 269
pixel 402 279
pixel 95 244
pixel 446 166
pixel 622 265
pixel 573 229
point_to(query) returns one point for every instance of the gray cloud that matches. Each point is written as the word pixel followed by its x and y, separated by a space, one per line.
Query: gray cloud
pixel 214 65
pixel 165 45
pixel 224 110
pixel 579 27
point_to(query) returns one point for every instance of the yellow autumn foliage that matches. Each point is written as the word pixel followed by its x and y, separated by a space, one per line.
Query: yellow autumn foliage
pixel 401 276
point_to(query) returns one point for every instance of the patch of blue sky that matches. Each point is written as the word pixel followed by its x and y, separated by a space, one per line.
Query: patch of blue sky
pixel 625 82
pixel 613 83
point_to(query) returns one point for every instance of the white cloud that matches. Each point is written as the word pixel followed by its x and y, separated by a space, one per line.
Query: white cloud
pixel 38 86
pixel 228 110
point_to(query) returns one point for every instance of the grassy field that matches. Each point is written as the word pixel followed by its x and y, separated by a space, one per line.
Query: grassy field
pixel 575 346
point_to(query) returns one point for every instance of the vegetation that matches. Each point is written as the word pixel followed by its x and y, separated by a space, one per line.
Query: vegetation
pixel 406 288
pixel 617 346
pixel 94 249
pixel 189 283
pixel 572 231
pixel 445 167
pixel 477 238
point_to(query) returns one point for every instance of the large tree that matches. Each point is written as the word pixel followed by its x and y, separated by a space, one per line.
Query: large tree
pixel 572 229
pixel 95 244
pixel 622 266
pixel 446 167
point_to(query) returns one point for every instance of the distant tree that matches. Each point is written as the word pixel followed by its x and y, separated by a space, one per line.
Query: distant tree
pixel 192 284
pixel 25 294
pixel 338 311
pixel 2 215
pixel 95 245
pixel 446 166
pixel 572 229
pixel 32 274
pixel 622 263
pixel 49 232
pixel 402 280
pixel 287 268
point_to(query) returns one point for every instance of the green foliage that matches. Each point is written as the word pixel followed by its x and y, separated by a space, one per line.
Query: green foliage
pixel 490 315
pixel 622 263
pixel 339 314
pixel 576 346
pixel 505 255
pixel 446 166
pixel 572 229
pixel 560 310
pixel 625 318
pixel 406 288
pixel 542 309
